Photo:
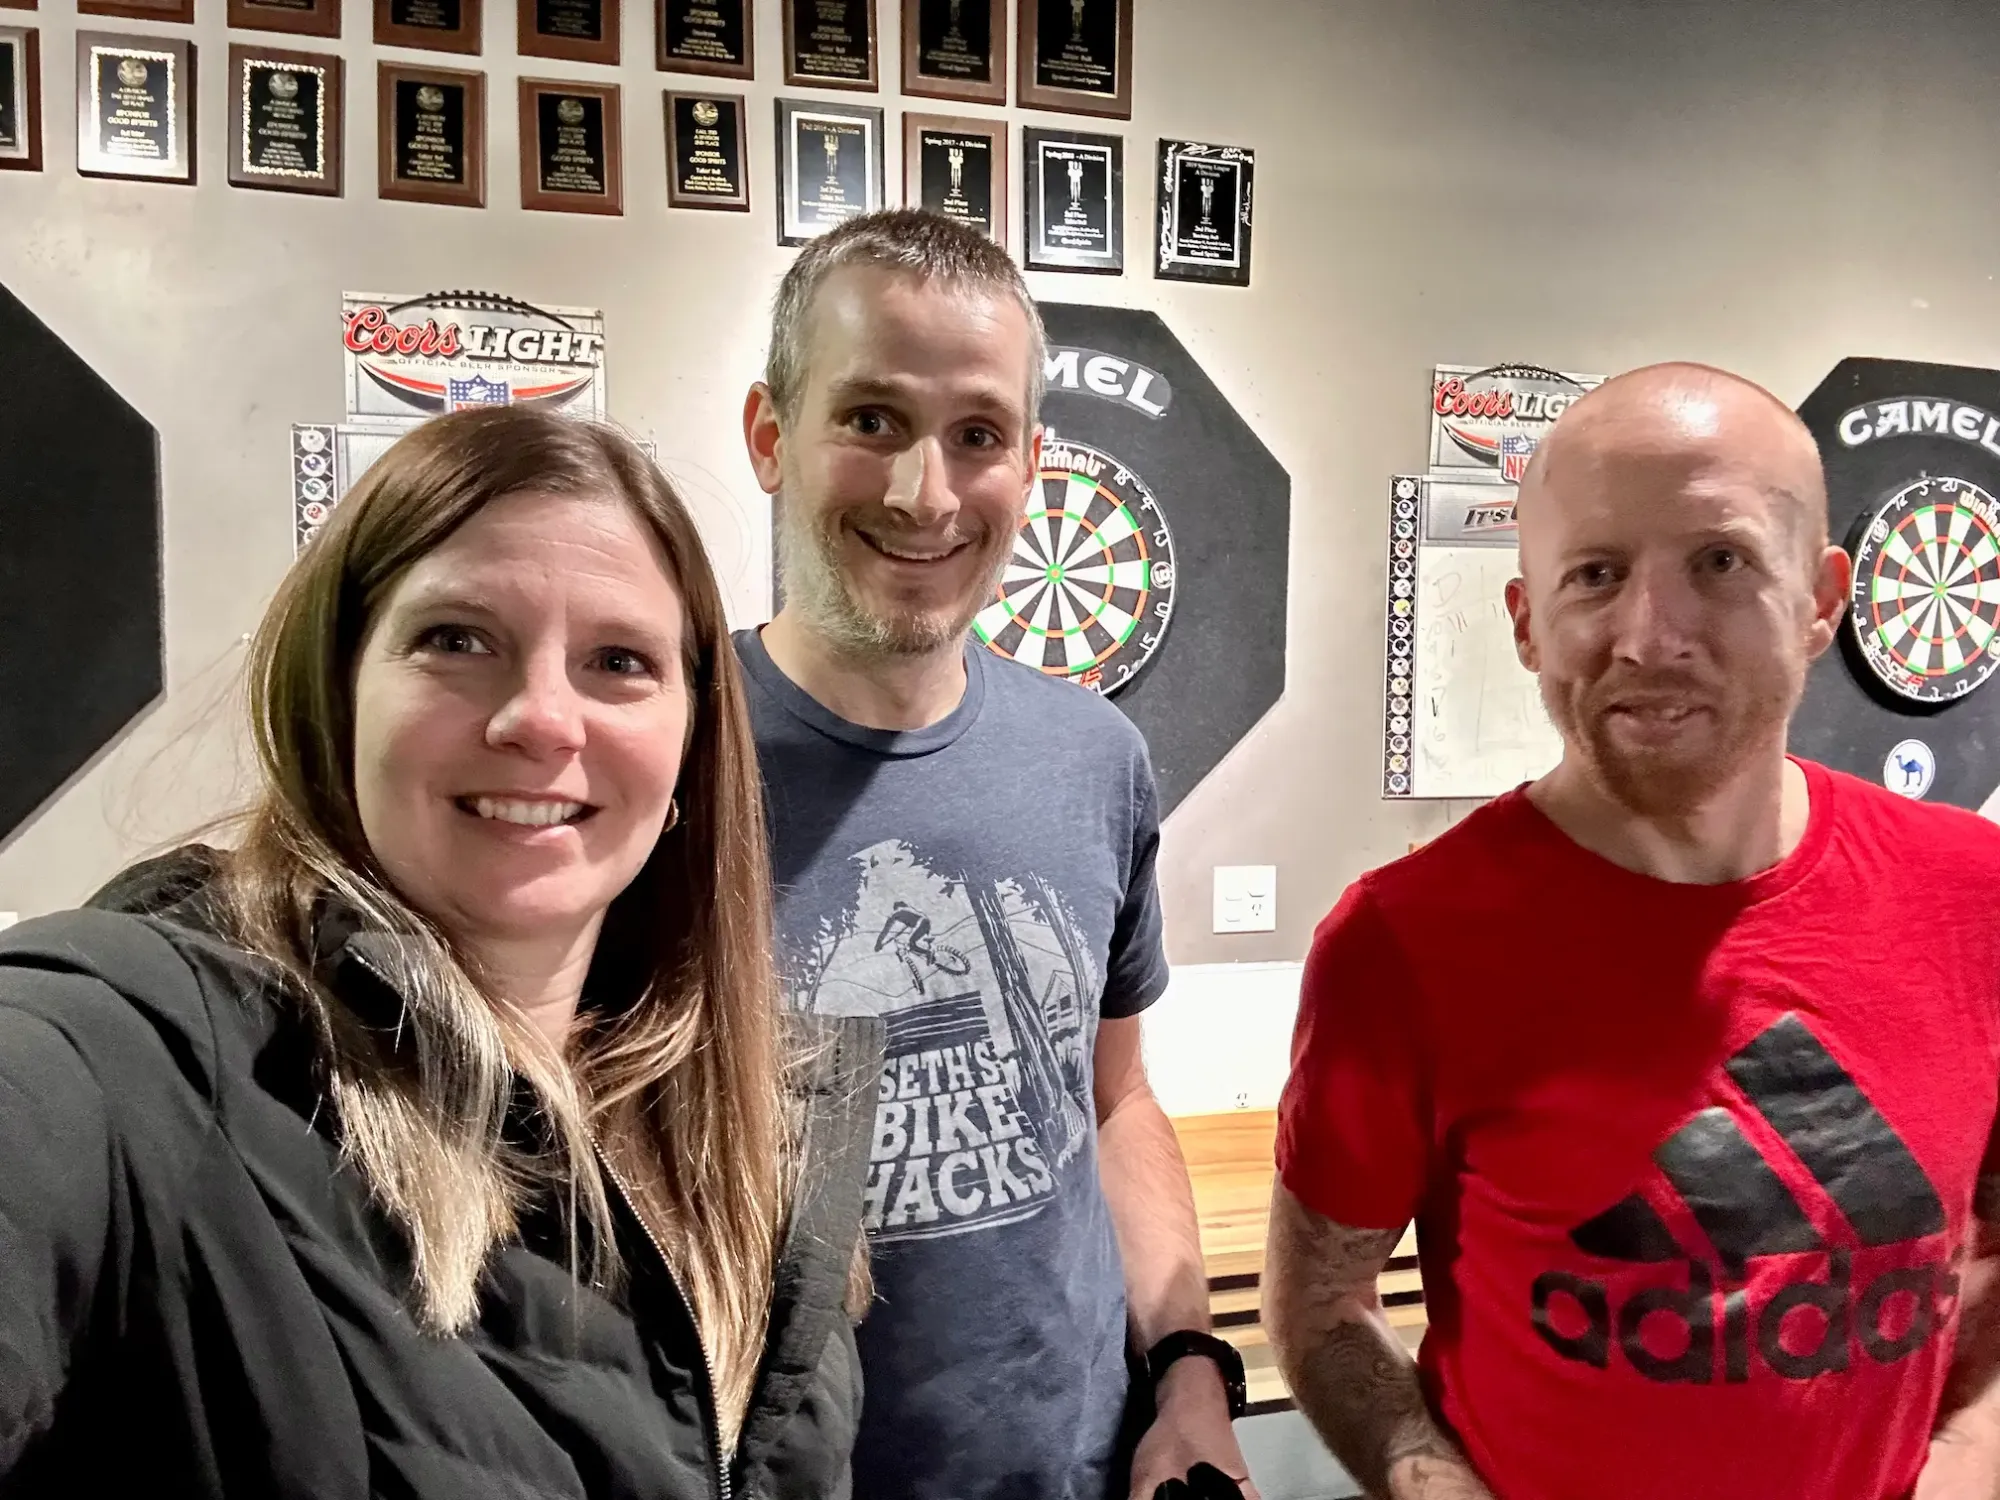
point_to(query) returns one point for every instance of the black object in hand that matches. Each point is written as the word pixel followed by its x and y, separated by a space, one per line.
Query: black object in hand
pixel 1203 1482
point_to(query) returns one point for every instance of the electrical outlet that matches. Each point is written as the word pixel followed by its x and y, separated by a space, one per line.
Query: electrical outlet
pixel 1246 898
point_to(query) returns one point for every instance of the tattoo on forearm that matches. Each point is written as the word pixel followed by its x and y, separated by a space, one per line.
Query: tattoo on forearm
pixel 1365 1397
pixel 1347 1369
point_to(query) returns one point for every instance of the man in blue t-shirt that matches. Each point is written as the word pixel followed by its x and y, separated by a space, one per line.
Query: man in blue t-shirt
pixel 965 848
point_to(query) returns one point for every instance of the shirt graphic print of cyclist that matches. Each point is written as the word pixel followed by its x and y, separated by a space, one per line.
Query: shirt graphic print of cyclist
pixel 984 1104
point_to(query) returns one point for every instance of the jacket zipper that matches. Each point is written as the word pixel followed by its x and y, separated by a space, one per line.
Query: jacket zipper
pixel 722 1482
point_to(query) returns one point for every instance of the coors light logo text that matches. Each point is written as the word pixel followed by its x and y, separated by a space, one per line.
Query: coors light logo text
pixel 1456 399
pixel 1477 414
pixel 370 330
pixel 443 351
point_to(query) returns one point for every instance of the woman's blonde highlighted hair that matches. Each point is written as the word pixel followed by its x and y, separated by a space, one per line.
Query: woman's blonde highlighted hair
pixel 675 1072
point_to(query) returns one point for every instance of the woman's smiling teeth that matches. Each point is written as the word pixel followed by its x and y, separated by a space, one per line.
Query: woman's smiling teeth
pixel 527 814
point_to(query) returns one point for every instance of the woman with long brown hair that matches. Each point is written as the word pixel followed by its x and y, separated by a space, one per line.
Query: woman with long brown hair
pixel 442 1137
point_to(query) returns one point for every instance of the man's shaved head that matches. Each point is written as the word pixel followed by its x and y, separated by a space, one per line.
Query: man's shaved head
pixel 1686 408
pixel 1676 580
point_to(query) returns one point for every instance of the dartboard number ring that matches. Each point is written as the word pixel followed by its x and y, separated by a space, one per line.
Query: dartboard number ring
pixel 1089 590
pixel 1926 599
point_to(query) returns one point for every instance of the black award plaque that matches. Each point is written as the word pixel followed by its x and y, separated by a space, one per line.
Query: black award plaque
pixel 713 37
pixel 134 107
pixel 829 166
pixel 1074 190
pixel 430 25
pixel 1076 56
pixel 570 156
pixel 1204 213
pixel 706 167
pixel 830 44
pixel 20 99
pixel 575 30
pixel 181 12
pixel 431 135
pixel 957 168
pixel 297 17
pixel 955 49
pixel 284 120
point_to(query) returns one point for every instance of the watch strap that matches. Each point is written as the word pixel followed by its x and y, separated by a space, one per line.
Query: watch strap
pixel 1188 1341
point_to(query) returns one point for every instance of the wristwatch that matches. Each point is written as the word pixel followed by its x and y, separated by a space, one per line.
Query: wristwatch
pixel 1176 1345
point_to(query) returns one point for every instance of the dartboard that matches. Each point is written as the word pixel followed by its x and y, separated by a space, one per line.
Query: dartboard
pixel 1926 599
pixel 1090 588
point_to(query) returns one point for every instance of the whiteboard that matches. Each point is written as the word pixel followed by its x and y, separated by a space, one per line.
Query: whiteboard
pixel 1462 718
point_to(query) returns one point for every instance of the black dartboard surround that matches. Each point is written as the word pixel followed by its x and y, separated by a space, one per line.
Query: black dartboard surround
pixel 1220 665
pixel 1916 448
pixel 81 642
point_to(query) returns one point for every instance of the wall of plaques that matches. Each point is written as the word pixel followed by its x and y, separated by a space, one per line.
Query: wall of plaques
pixel 1056 192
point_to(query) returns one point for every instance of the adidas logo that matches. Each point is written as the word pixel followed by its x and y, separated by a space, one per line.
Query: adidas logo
pixel 1745 1210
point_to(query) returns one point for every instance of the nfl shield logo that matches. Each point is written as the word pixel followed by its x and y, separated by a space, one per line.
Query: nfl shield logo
pixel 478 391
pixel 1516 448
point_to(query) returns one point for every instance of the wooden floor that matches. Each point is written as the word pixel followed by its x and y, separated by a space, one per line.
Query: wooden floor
pixel 1230 1162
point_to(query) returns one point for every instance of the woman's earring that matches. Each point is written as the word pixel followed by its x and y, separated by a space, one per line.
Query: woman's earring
pixel 673 815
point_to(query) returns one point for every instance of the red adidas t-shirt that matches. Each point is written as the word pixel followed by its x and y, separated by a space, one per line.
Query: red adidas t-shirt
pixel 1692 1166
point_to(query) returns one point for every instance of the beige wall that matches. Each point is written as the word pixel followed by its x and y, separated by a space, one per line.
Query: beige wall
pixel 1590 184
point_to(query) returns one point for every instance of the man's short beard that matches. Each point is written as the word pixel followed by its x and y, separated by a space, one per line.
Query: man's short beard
pixel 814 587
pixel 1670 787
pixel 1664 788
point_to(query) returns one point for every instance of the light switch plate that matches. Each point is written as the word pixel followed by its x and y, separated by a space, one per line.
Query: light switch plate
pixel 1246 898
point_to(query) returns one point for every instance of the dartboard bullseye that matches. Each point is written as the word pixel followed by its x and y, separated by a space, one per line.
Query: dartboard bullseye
pixel 1926 599
pixel 1090 588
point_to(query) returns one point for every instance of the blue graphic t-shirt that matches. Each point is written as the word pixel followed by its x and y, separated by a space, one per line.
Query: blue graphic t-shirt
pixel 986 886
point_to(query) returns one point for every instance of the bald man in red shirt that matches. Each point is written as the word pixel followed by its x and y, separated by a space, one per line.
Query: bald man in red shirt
pixel 1684 1059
